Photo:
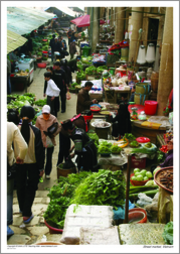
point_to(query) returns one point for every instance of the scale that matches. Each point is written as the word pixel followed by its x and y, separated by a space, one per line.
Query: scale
pixel 142 116
pixel 134 114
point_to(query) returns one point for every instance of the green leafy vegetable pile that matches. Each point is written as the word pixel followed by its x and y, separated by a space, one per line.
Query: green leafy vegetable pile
pixel 80 65
pixel 160 156
pixel 129 136
pixel 104 147
pixel 91 70
pixel 94 137
pixel 60 196
pixel 102 188
pixel 73 85
pixel 168 233
pixel 116 149
pixel 81 75
pixel 100 69
pixel 41 102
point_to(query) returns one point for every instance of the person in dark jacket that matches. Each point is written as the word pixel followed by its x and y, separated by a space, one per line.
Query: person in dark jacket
pixel 83 98
pixel 72 49
pixel 83 145
pixel 51 44
pixel 121 122
pixel 67 71
pixel 61 81
pixel 69 35
pixel 80 121
pixel 28 174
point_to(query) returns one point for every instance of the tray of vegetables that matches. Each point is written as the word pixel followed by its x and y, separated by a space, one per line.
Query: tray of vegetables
pixel 104 149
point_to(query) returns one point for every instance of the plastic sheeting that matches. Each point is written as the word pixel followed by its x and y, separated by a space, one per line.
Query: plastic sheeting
pixel 14 41
pixel 24 20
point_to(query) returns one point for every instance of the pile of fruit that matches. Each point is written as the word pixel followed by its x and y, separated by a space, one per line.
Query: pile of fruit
pixel 164 149
pixel 142 175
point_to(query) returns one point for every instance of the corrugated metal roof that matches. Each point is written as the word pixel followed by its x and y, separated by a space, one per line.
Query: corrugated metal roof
pixel 24 20
pixel 65 10
pixel 14 41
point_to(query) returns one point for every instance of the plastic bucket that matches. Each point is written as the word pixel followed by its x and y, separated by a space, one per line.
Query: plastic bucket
pixel 140 98
pixel 142 88
pixel 53 230
pixel 150 107
pixel 137 215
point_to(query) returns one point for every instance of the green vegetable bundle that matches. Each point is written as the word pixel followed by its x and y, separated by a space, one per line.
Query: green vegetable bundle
pixel 106 143
pixel 39 54
pixel 40 102
pixel 102 188
pixel 91 70
pixel 81 75
pixel 116 149
pixel 73 85
pixel 148 190
pixel 100 69
pixel 94 137
pixel 80 65
pixel 129 136
pixel 144 150
pixel 26 98
pixel 168 233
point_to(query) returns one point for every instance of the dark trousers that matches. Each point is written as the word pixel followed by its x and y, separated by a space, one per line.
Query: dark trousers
pixel 51 104
pixel 8 84
pixel 64 147
pixel 27 179
pixel 48 166
pixel 63 100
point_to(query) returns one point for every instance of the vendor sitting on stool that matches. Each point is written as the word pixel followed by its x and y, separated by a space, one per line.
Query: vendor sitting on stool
pixel 83 145
pixel 121 122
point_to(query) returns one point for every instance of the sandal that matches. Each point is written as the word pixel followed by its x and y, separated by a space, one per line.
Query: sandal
pixel 28 220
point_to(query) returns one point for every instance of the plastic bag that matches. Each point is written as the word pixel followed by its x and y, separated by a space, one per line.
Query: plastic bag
pixel 143 199
pixel 49 142
pixel 68 96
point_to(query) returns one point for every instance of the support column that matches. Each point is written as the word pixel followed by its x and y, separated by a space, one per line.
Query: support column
pixel 119 24
pixel 136 21
pixel 107 13
pixel 166 65
pixel 112 16
pixel 95 25
pixel 102 9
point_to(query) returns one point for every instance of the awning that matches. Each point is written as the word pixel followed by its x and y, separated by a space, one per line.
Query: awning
pixel 65 10
pixel 24 20
pixel 14 41
pixel 84 21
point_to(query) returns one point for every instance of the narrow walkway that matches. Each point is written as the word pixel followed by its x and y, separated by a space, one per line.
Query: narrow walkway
pixel 33 232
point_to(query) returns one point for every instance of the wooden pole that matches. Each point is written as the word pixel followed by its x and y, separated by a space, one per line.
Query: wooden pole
pixel 127 189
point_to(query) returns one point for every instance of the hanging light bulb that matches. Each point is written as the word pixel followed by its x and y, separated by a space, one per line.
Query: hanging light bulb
pixel 156 64
pixel 150 56
pixel 141 55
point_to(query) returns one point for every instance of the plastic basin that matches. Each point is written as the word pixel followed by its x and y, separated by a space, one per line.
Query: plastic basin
pixel 137 215
pixel 138 183
pixel 53 230
pixel 41 65
pixel 150 107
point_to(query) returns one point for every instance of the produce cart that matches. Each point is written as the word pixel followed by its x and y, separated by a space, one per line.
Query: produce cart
pixel 20 83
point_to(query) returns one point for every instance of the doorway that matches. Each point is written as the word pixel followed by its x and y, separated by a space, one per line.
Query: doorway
pixel 153 31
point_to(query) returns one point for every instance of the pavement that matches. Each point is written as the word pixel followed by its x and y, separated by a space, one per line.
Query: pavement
pixel 34 231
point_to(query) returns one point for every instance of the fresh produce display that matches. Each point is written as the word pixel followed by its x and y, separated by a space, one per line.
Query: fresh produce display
pixel 102 188
pixel 106 143
pixel 156 169
pixel 30 95
pixel 91 70
pixel 166 179
pixel 86 60
pixel 122 143
pixel 148 145
pixel 94 137
pixel 164 149
pixel 141 175
pixel 160 156
pixel 60 196
pixel 168 135
pixel 81 75
pixel 144 150
pixel 150 183
pixel 129 136
pixel 80 65
pixel 100 69
pixel 102 149
pixel 134 143
pixel 41 102
pixel 148 190
pixel 22 73
pixel 73 85
pixel 116 149
pixel 168 233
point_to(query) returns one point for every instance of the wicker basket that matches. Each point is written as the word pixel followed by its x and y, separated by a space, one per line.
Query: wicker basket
pixel 65 172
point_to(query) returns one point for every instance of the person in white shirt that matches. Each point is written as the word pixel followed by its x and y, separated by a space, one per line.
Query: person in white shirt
pixel 52 91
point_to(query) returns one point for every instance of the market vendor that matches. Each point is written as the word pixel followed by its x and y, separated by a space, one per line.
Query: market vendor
pixel 121 121
pixel 80 121
pixel 83 98
pixel 169 158
pixel 84 147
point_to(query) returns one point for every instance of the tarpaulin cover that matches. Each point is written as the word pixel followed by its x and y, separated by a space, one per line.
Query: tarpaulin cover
pixel 14 41
pixel 84 21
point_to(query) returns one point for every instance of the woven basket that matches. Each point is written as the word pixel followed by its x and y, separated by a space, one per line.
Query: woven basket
pixel 65 172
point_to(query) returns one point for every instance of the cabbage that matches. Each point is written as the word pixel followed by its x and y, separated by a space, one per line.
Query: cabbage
pixel 149 174
pixel 150 183
pixel 140 178
pixel 136 170
pixel 143 172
